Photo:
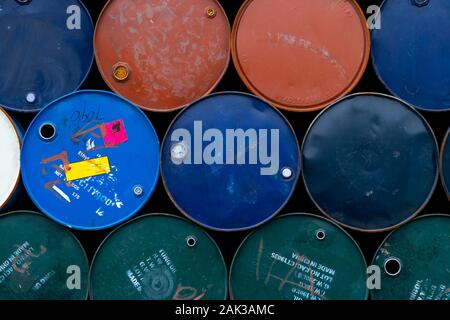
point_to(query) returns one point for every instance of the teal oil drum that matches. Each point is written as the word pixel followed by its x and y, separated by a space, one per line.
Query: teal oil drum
pixel 445 164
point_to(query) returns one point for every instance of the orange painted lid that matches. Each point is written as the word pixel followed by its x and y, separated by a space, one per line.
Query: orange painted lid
pixel 300 55
pixel 162 55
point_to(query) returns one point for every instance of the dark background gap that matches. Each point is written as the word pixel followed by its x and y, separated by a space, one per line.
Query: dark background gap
pixel 300 201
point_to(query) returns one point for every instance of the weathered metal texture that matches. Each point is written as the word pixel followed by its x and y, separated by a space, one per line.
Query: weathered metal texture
pixel 414 261
pixel 40 260
pixel 90 160
pixel 162 55
pixel 158 257
pixel 445 164
pixel 410 52
pixel 300 55
pixel 230 161
pixel 46 51
pixel 299 257
pixel 370 162
pixel 10 144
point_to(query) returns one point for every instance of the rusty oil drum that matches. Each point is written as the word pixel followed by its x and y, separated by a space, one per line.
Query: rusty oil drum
pixel 300 55
pixel 158 257
pixel 445 164
pixel 46 51
pixel 414 261
pixel 370 162
pixel 299 257
pixel 10 145
pixel 40 260
pixel 162 55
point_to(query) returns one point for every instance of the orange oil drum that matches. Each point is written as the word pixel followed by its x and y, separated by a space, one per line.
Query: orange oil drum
pixel 162 55
pixel 300 55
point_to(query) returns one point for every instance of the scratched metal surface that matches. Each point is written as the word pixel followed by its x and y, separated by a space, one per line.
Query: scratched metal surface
pixel 423 249
pixel 288 259
pixel 39 54
pixel 150 259
pixel 91 125
pixel 174 51
pixel 316 51
pixel 231 196
pixel 31 267
pixel 445 163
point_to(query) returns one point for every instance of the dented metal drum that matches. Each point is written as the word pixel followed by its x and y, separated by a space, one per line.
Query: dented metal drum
pixel 40 260
pixel 158 257
pixel 370 162
pixel 230 161
pixel 90 160
pixel 300 55
pixel 46 51
pixel 410 52
pixel 162 55
pixel 445 164
pixel 10 144
pixel 299 257
pixel 414 261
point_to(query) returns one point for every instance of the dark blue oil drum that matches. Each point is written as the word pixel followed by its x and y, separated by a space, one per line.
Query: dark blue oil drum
pixel 90 160
pixel 370 162
pixel 230 161
pixel 411 51
pixel 46 51
pixel 445 164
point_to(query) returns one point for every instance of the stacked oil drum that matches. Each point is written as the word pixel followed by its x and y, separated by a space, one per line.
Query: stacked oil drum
pixel 237 165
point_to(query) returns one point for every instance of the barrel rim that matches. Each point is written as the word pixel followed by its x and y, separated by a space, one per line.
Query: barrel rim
pixel 426 125
pixel 296 179
pixel 445 145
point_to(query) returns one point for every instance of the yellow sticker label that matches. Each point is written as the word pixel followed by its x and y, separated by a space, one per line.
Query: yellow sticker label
pixel 88 168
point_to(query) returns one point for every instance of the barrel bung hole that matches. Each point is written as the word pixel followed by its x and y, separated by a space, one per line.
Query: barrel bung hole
pixel 47 131
pixel 392 266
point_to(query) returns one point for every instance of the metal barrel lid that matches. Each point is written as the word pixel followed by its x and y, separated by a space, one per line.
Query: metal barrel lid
pixel 90 160
pixel 300 55
pixel 230 161
pixel 404 60
pixel 414 261
pixel 45 53
pixel 158 257
pixel 10 144
pixel 40 260
pixel 299 257
pixel 370 162
pixel 162 55
pixel 445 164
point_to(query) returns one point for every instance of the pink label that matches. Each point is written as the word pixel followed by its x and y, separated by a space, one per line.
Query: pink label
pixel 114 133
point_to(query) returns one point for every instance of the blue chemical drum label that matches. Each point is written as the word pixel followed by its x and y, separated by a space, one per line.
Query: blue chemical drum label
pixel 370 162
pixel 230 161
pixel 90 160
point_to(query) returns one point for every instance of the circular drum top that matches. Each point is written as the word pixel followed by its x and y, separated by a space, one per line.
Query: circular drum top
pixel 46 51
pixel 10 159
pixel 445 164
pixel 158 257
pixel 40 260
pixel 300 55
pixel 370 162
pixel 414 261
pixel 230 161
pixel 162 55
pixel 299 257
pixel 410 52
pixel 90 160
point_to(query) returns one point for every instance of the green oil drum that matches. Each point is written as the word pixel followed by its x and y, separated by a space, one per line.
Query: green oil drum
pixel 158 257
pixel 415 261
pixel 40 260
pixel 299 257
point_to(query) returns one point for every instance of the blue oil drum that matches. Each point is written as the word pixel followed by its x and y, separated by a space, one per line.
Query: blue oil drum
pixel 445 164
pixel 370 162
pixel 46 51
pixel 10 145
pixel 230 161
pixel 410 51
pixel 90 160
